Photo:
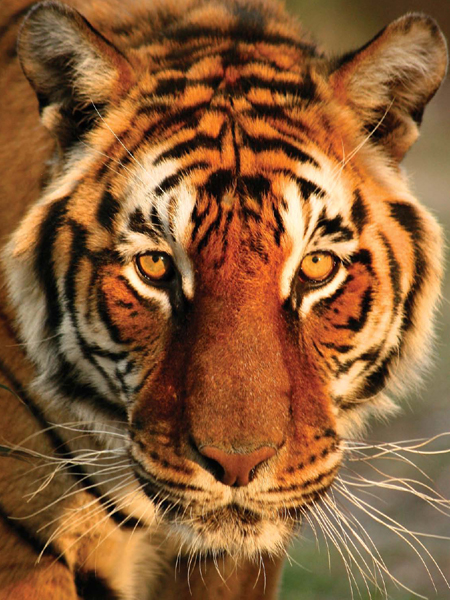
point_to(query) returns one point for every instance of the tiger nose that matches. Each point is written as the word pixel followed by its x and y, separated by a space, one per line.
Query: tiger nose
pixel 233 469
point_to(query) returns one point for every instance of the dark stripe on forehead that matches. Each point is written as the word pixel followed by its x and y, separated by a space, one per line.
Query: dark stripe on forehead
pixel 179 83
pixel 176 178
pixel 304 88
pixel 307 188
pixel 249 35
pixel 220 182
pixel 255 186
pixel 139 224
pixel 279 229
pixel 265 144
pixel 359 212
pixel 211 228
pixel 197 141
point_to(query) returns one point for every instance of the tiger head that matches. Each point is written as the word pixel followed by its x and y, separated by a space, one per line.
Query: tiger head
pixel 226 263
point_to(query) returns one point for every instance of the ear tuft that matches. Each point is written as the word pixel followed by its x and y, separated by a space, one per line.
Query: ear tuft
pixel 389 81
pixel 70 66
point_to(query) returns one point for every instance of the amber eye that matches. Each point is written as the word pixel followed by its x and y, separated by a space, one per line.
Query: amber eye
pixel 155 266
pixel 317 267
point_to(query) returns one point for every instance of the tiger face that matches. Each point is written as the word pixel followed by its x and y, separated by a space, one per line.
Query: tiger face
pixel 227 264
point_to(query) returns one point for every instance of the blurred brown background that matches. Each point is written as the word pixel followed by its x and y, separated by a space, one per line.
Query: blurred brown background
pixel 339 26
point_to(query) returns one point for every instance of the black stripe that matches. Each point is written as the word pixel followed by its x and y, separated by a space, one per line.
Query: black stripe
pixel 359 212
pixel 107 210
pixel 187 146
pixel 254 186
pixel 219 263
pixel 175 179
pixel 138 223
pixel 66 379
pixel 409 219
pixel 306 187
pixel 249 35
pixel 28 536
pixel 44 263
pixel 272 111
pixel 167 86
pixel 377 380
pixel 394 272
pixel 91 586
pixel 199 218
pixel 301 88
pixel 333 227
pixel 279 229
pixel 325 303
pixel 113 330
pixel 220 182
pixel 341 349
pixel 305 484
pixel 170 85
pixel 211 228
pixel 264 144
pixel 88 351
pixel 370 357
pixel 365 307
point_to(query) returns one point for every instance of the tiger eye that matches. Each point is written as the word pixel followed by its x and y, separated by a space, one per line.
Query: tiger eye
pixel 156 266
pixel 317 267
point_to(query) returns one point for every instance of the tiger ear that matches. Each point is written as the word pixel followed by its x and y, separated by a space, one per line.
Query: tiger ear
pixel 73 69
pixel 389 81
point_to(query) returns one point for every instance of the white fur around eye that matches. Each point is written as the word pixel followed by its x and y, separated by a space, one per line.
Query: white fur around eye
pixel 315 295
pixel 147 291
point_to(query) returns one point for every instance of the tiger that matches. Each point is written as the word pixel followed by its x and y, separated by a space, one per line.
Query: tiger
pixel 214 273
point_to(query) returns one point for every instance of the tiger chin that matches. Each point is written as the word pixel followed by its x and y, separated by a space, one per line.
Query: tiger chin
pixel 215 274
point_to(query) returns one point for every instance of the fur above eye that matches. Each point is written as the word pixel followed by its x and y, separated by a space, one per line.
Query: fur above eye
pixel 318 268
pixel 155 267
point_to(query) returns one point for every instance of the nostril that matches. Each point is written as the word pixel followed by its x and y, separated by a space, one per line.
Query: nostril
pixel 232 468
pixel 214 467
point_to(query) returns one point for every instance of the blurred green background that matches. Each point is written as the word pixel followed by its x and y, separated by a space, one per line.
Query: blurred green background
pixel 339 26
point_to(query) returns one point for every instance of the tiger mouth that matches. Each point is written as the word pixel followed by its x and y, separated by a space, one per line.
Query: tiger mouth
pixel 174 508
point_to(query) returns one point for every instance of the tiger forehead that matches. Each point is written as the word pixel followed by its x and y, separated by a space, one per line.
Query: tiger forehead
pixel 192 31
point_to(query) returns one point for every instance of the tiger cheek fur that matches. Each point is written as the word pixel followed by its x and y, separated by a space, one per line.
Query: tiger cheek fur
pixel 168 283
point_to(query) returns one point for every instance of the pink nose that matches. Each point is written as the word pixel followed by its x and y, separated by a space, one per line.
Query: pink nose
pixel 234 469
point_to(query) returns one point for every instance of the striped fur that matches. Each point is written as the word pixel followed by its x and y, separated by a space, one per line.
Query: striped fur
pixel 210 131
